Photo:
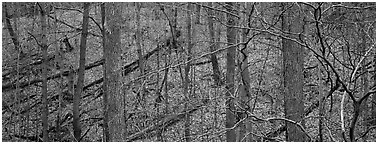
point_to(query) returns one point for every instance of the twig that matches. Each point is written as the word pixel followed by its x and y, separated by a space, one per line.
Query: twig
pixel 330 133
pixel 205 6
pixel 365 133
pixel 217 132
pixel 345 92
pixel 73 27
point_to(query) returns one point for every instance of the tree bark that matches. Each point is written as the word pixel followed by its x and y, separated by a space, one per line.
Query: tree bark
pixel 104 84
pixel 18 52
pixel 45 110
pixel 59 66
pixel 12 33
pixel 81 75
pixel 139 49
pixel 364 78
pixel 138 38
pixel 322 93
pixel 231 39
pixel 213 57
pixel 116 101
pixel 198 14
pixel 244 94
pixel 186 75
pixel 292 74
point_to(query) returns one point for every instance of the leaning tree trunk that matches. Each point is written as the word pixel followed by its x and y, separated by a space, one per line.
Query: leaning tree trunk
pixel 80 80
pixel 293 79
pixel 138 37
pixel 12 33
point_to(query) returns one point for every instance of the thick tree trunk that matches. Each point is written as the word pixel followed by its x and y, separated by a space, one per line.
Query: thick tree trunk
pixel 293 75
pixel 81 75
pixel 45 110
pixel 231 39
pixel 116 101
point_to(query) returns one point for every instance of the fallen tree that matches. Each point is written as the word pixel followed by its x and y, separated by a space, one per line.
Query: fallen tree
pixel 164 123
pixel 131 67
pixel 127 69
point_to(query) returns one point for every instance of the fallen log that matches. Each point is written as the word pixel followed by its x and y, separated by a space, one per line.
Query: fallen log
pixel 127 69
pixel 164 122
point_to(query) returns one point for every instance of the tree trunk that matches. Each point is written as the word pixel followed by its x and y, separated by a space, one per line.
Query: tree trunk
pixel 322 93
pixel 373 109
pixel 158 96
pixel 186 75
pixel 213 57
pixel 244 94
pixel 116 101
pixel 364 78
pixel 198 15
pixel 18 52
pixel 45 110
pixel 59 66
pixel 292 74
pixel 105 83
pixel 12 33
pixel 231 39
pixel 138 37
pixel 81 75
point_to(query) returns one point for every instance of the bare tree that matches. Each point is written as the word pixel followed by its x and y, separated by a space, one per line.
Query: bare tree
pixel 307 69
pixel 293 79
pixel 186 74
pixel 105 83
pixel 213 57
pixel 115 101
pixel 245 93
pixel 231 39
pixel 60 67
pixel 9 26
pixel 81 74
pixel 138 38
pixel 198 14
pixel 45 110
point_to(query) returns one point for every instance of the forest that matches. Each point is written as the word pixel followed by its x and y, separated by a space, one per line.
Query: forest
pixel 188 72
